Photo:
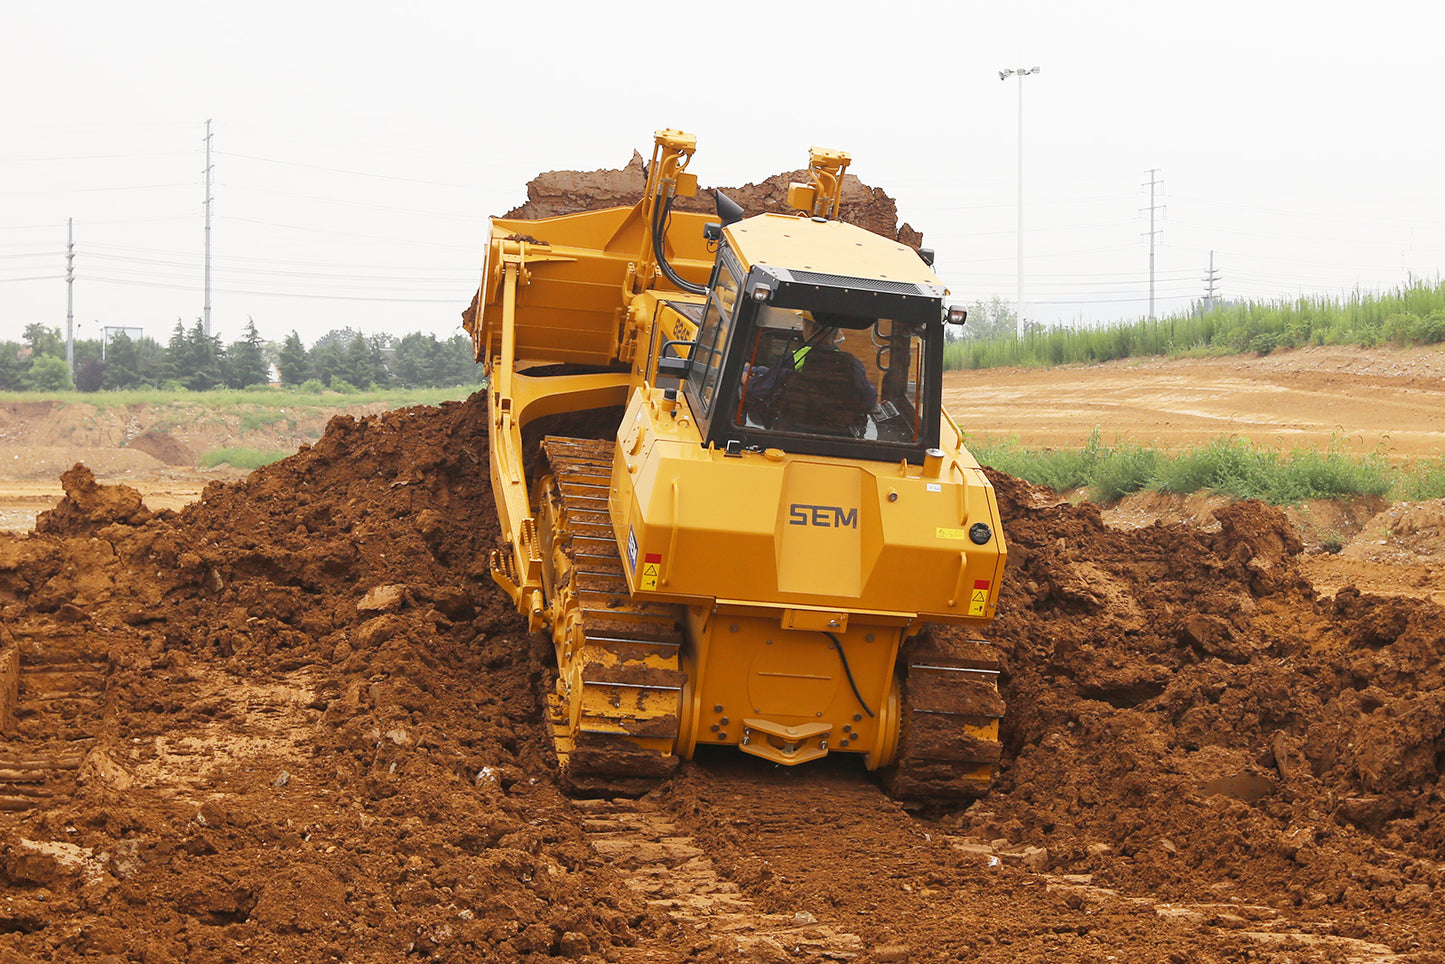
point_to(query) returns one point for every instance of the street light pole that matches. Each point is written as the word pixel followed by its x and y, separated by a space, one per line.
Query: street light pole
pixel 1021 73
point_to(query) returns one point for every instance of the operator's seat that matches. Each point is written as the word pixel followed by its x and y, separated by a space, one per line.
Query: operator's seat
pixel 824 395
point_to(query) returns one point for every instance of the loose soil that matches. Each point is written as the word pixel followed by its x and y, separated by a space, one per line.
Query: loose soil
pixel 296 720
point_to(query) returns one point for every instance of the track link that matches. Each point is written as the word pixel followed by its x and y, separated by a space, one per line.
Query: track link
pixel 949 747
pixel 615 706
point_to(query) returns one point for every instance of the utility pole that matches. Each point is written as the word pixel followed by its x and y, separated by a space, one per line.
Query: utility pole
pixel 1210 280
pixel 206 314
pixel 70 294
pixel 1153 183
pixel 1021 73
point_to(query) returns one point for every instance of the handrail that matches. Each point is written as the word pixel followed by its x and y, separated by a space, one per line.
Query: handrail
pixel 962 572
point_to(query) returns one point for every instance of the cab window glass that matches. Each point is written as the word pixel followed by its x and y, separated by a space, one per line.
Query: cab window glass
pixel 833 376
pixel 712 340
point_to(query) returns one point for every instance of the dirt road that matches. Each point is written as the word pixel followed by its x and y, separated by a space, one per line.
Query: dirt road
pixel 1369 400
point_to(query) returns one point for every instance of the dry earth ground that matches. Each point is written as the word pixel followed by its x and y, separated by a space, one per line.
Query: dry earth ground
pixel 296 721
pixel 1369 400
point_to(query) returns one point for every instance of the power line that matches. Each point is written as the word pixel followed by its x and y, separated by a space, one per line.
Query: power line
pixel 339 170
pixel 459 299
pixel 350 234
pixel 241 260
pixel 89 157
pixel 92 190
pixel 413 212
pixel 51 227
pixel 454 275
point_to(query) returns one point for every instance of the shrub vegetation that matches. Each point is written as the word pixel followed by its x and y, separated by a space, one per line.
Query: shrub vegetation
pixel 242 458
pixel 1227 465
pixel 1412 314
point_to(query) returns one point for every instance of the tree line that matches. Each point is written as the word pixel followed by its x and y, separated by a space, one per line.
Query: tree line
pixel 341 360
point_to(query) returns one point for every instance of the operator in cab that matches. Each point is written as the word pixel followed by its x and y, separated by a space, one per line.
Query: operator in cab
pixel 815 387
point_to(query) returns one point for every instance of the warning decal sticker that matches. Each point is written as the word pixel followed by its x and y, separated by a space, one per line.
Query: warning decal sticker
pixel 651 566
pixel 978 601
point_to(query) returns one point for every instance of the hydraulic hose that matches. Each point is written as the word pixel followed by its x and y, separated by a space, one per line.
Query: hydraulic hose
pixel 659 232
pixel 848 671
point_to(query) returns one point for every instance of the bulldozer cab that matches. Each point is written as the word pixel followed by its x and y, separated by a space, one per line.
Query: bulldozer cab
pixel 814 363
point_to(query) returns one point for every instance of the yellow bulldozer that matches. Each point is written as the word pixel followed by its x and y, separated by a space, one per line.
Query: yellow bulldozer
pixel 729 492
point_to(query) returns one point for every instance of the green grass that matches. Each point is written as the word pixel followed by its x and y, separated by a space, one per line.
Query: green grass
pixel 264 418
pixel 1412 314
pixel 1228 465
pixel 1424 481
pixel 277 398
pixel 242 458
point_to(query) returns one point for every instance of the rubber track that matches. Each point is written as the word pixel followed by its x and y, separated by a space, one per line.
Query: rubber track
pixel 623 682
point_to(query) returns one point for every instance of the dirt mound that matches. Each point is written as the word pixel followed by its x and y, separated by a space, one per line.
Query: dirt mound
pixel 1405 532
pixel 88 506
pixel 1182 703
pixel 276 766
pixel 298 721
pixel 162 447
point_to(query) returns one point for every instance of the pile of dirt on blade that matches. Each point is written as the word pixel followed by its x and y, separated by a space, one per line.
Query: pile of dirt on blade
pixel 1183 709
pixel 317 736
pixel 556 193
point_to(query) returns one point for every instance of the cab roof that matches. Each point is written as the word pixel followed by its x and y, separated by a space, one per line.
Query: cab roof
pixel 828 248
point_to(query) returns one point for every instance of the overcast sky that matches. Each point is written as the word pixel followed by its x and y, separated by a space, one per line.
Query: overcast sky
pixel 359 149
